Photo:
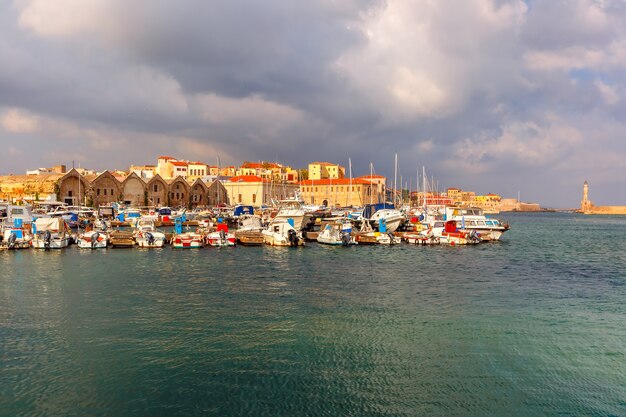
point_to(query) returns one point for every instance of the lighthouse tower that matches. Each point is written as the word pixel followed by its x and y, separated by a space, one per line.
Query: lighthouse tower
pixel 585 204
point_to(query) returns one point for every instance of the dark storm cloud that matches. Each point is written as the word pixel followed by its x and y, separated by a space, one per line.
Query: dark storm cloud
pixel 490 95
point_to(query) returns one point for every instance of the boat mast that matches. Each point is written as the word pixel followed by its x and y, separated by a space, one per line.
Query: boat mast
pixel 395 179
pixel 371 179
pixel 350 189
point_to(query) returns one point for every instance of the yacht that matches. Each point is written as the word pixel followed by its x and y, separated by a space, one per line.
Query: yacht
pixel 473 218
pixel 387 212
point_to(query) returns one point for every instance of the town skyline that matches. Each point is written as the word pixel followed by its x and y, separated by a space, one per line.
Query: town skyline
pixel 501 96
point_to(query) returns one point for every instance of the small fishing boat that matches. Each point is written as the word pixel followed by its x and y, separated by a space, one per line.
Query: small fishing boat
pixel 221 237
pixel 50 233
pixel 146 234
pixel 282 233
pixel 368 236
pixel 452 235
pixel 15 236
pixel 93 239
pixel 337 233
pixel 187 240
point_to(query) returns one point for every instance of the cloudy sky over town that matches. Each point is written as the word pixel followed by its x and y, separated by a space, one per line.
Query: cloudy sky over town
pixel 490 95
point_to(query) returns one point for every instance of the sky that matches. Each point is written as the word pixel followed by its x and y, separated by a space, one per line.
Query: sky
pixel 501 96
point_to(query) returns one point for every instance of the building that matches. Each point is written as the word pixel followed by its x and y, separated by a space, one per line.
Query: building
pixel 106 188
pixel 143 171
pixel 489 202
pixel 256 191
pixel 197 170
pixel 380 182
pixel 325 170
pixel 268 170
pixel 341 192
pixel 57 169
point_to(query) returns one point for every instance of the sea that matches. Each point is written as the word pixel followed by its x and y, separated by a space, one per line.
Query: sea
pixel 534 325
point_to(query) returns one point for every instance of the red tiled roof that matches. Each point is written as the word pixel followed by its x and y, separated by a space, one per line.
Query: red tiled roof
pixel 247 178
pixel 336 181
pixel 178 163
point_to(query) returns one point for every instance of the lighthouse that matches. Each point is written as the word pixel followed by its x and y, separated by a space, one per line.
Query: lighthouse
pixel 585 203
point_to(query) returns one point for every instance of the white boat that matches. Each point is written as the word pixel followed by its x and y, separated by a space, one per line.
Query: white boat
pixel 221 237
pixel 13 237
pixel 282 233
pixel 374 213
pixel 449 233
pixel 187 240
pixel 146 234
pixel 473 218
pixel 50 233
pixel 337 233
pixel 293 208
pixel 249 223
pixel 423 238
pixel 92 239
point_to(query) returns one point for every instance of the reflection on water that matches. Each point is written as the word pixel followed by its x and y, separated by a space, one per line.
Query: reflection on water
pixel 530 326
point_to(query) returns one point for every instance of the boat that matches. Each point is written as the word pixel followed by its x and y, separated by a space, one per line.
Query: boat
pixel 473 218
pixel 92 239
pixel 221 237
pixel 15 236
pixel 146 234
pixel 282 233
pixel 50 233
pixel 292 208
pixel 368 236
pixel 383 211
pixel 452 235
pixel 338 233
pixel 425 237
pixel 187 240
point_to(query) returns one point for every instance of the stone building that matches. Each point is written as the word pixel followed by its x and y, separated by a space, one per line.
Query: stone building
pixel 105 189
pixel 157 191
pixel 134 190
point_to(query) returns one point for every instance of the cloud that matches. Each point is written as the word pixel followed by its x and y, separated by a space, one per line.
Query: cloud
pixel 488 94
pixel 18 121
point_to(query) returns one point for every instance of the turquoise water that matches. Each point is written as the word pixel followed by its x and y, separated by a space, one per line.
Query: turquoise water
pixel 533 325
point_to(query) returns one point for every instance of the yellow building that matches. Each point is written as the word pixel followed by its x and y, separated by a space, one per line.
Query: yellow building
pixel 197 170
pixel 339 192
pixel 325 170
pixel 252 190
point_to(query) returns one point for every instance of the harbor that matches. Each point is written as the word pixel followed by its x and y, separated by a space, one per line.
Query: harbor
pixel 323 330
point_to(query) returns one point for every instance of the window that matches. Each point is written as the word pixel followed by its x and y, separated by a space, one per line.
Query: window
pixel 182 196
pixel 105 191
pixel 98 191
pixel 239 198
pixel 111 191
pixel 177 196
pixel 254 198
pixel 156 188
